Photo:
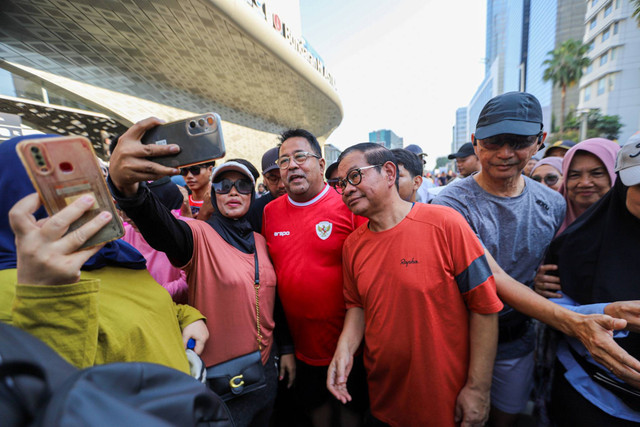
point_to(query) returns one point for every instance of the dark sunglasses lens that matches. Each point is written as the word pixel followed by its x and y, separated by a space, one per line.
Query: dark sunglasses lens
pixel 551 179
pixel 223 187
pixel 195 170
pixel 244 186
pixel 537 178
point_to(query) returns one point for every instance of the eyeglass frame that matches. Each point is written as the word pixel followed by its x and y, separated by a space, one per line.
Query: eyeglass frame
pixel 341 183
pixel 546 180
pixel 514 145
pixel 307 154
pixel 233 184
pixel 273 178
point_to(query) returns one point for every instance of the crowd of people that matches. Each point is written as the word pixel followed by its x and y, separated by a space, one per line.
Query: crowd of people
pixel 354 294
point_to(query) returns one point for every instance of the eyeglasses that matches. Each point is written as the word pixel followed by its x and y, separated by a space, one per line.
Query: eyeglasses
pixel 195 170
pixel 300 157
pixel 516 142
pixel 549 179
pixel 354 177
pixel 333 182
pixel 273 178
pixel 244 186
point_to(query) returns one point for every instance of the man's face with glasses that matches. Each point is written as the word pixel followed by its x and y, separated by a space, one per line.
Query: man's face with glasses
pixel 301 169
pixel 359 183
pixel 504 156
pixel 274 183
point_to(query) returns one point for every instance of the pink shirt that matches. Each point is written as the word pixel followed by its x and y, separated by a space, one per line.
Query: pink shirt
pixel 171 278
pixel 221 285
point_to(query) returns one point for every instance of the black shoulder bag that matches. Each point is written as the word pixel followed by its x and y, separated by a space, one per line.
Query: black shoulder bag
pixel 243 374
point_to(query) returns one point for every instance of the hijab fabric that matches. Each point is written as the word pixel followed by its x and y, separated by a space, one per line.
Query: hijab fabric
pixel 597 256
pixel 554 162
pixel 605 150
pixel 236 232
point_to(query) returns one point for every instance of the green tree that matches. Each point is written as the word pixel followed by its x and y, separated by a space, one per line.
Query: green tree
pixel 565 67
pixel 636 12
pixel 441 162
pixel 597 125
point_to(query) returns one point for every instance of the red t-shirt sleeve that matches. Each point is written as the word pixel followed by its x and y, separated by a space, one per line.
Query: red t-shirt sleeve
pixel 471 269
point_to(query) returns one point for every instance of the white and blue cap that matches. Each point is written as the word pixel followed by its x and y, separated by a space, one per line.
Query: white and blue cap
pixel 232 166
pixel 628 161
pixel 517 113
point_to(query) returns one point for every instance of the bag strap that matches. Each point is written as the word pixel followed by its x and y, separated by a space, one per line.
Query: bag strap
pixel 256 286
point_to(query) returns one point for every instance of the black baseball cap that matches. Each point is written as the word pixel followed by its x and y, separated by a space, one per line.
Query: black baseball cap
pixel 269 160
pixel 415 149
pixel 464 151
pixel 330 169
pixel 517 113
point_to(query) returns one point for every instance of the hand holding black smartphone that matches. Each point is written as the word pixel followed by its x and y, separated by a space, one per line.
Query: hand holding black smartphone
pixel 200 140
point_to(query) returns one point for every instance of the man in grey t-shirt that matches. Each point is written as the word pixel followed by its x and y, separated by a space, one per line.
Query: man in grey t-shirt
pixel 516 219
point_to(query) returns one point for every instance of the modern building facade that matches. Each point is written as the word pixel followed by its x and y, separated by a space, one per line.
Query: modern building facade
pixel 612 82
pixel 552 22
pixel 124 60
pixel 520 34
pixel 331 153
pixel 461 131
pixel 387 138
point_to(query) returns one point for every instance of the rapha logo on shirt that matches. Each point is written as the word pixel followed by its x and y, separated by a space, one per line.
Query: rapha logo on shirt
pixel 406 262
pixel 323 229
pixel 281 233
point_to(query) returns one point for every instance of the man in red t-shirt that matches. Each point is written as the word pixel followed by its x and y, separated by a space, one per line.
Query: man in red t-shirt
pixel 305 231
pixel 429 317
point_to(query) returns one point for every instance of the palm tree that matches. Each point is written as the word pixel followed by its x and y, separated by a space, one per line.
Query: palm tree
pixel 565 67
pixel 636 12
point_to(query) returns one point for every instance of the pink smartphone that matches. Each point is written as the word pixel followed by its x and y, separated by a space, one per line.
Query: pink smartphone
pixel 63 169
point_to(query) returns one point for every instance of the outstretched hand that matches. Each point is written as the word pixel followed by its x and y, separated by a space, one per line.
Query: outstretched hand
pixel 129 164
pixel 595 331
pixel 46 256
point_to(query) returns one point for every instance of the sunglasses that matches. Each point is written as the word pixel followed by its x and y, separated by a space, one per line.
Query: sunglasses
pixel 354 177
pixel 244 186
pixel 516 142
pixel 549 179
pixel 195 170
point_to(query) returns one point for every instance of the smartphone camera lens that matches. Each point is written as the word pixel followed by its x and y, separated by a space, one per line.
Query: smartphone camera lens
pixel 192 124
pixel 34 149
pixel 201 122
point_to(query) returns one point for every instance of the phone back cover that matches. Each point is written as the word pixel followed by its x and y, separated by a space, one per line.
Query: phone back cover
pixel 195 149
pixel 74 171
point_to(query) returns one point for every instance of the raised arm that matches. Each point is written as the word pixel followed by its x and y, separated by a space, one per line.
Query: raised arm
pixel 595 331
pixel 129 166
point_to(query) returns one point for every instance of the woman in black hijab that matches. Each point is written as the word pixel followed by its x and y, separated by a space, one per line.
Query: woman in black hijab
pixel 230 277
pixel 599 268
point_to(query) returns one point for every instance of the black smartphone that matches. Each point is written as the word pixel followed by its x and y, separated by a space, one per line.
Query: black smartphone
pixel 200 140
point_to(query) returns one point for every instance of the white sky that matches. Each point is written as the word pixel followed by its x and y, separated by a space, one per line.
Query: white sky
pixel 404 65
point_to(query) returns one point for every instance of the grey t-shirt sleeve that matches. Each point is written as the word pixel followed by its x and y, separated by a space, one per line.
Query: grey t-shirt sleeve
pixel 455 196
